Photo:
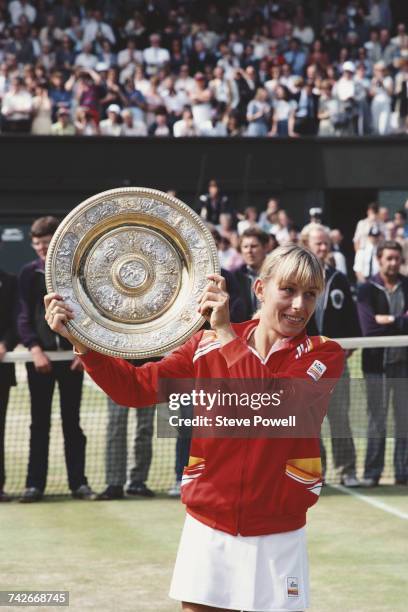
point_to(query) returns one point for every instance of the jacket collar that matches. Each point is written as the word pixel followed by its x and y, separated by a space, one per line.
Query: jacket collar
pixel 292 342
pixel 378 280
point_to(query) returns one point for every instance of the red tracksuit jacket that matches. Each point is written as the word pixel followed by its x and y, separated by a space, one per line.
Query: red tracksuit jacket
pixel 240 486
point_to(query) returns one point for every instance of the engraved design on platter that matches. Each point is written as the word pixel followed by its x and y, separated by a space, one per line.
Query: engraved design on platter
pixel 133 274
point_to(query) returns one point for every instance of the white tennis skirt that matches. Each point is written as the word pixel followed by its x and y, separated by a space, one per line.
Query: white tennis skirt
pixel 266 573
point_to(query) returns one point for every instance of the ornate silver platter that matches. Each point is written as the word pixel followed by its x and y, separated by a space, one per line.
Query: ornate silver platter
pixel 132 263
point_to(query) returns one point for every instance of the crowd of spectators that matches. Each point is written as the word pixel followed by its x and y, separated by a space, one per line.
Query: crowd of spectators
pixel 202 68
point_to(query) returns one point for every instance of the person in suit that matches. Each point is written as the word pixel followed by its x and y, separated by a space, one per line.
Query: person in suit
pixel 335 316
pixel 8 341
pixel 254 248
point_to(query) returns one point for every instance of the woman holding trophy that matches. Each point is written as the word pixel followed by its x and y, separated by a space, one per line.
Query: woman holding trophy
pixel 243 544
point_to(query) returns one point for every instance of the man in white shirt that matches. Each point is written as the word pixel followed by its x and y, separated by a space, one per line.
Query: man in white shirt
pixel 21 7
pixel 184 81
pixel 155 57
pixel 364 226
pixel 86 59
pixel 365 261
pixel 185 126
pixel 16 108
pixel 97 29
pixel 130 126
pixel 128 58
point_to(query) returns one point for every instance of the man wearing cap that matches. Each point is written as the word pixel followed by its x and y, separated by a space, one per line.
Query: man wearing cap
pixel 365 261
pixel 63 126
pixel 344 91
pixel 112 125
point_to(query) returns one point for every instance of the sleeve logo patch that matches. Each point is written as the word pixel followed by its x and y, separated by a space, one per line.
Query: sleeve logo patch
pixel 316 370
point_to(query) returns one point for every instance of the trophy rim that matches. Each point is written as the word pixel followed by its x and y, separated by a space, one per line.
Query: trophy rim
pixel 131 191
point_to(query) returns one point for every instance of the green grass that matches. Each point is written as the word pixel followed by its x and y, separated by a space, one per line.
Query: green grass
pixel 118 556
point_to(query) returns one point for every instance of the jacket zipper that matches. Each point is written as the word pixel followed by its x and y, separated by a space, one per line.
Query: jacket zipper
pixel 241 488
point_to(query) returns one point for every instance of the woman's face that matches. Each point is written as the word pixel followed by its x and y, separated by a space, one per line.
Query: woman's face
pixel 286 307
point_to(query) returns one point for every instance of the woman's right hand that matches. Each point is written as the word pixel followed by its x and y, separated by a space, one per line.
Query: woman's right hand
pixel 57 314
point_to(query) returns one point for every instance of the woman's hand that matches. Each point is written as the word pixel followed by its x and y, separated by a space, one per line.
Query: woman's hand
pixel 57 314
pixel 214 302
pixel 214 307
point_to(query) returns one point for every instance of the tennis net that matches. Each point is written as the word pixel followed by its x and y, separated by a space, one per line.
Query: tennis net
pixel 340 456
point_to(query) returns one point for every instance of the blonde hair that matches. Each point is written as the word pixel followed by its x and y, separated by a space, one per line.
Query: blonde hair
pixel 295 264
pixel 312 227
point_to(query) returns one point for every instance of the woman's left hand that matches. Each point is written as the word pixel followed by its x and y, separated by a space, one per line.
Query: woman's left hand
pixel 214 303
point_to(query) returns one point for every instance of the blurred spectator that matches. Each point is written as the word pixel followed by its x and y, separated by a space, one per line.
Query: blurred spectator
pixel 306 121
pixel 86 59
pixel 345 120
pixel 160 127
pixel 128 58
pixel 213 203
pixel 336 238
pixel 201 98
pixel 43 375
pixel 42 110
pixel 382 307
pixel 59 95
pixel 268 217
pixel 63 126
pixel 16 108
pixel 85 122
pixel 250 220
pixel 295 57
pixel 130 126
pixel 280 228
pixel 364 226
pixel 8 341
pixel 230 258
pixel 216 125
pixel 174 101
pixel 155 56
pixel 96 30
pixel 335 313
pixel 17 8
pixel 112 125
pixel 283 113
pixel 185 126
pixel 400 223
pixel 109 90
pixel 381 98
pixel 253 248
pixel 365 261
pixel 258 112
pixel 328 110
pixel 226 228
